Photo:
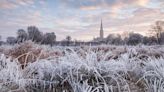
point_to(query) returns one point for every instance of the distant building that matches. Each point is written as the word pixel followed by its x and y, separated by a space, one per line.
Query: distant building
pixel 101 37
pixel 101 31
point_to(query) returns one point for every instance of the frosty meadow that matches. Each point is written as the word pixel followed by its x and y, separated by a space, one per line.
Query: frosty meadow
pixel 81 45
pixel 29 67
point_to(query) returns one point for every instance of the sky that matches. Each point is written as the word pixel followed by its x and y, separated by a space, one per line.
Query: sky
pixel 80 18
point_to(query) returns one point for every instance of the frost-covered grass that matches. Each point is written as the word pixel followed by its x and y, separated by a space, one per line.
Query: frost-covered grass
pixel 81 69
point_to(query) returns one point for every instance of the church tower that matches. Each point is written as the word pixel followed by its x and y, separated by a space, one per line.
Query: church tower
pixel 101 31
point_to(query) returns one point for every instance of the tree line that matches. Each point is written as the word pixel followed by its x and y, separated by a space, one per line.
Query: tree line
pixel 35 35
pixel 156 37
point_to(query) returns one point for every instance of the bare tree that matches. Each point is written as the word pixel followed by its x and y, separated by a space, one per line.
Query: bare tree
pixel 34 34
pixel 49 38
pixel 68 39
pixel 157 30
pixel 21 35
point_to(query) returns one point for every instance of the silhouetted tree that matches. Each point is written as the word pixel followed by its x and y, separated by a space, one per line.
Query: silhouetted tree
pixel 109 39
pixel 134 39
pixel 114 39
pixel 117 40
pixel 68 39
pixel 162 38
pixel 11 40
pixel 146 40
pixel 34 34
pixel 1 42
pixel 49 38
pixel 157 30
pixel 152 40
pixel 149 40
pixel 21 35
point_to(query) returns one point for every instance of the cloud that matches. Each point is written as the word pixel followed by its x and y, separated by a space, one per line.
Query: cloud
pixel 80 18
pixel 12 4
pixel 4 4
pixel 96 4
pixel 143 2
pixel 140 21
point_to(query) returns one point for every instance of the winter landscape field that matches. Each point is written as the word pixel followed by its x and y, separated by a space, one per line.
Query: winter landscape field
pixel 81 45
pixel 29 67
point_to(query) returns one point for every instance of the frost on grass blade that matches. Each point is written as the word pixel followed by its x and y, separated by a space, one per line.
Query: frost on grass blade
pixel 81 69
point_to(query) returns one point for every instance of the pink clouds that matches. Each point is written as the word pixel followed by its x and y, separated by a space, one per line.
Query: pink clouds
pixel 140 21
pixel 10 4
pixel 81 18
pixel 113 4
pixel 4 4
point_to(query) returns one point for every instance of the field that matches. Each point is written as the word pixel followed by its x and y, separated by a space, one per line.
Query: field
pixel 29 67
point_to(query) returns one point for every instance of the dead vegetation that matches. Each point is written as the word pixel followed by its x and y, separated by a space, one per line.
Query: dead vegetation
pixel 29 67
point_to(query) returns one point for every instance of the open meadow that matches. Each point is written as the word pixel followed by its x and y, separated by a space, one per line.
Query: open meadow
pixel 28 67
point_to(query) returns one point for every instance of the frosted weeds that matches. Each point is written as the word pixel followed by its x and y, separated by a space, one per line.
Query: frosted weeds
pixel 89 69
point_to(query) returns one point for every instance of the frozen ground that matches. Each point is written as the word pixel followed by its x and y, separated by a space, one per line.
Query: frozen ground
pixel 33 68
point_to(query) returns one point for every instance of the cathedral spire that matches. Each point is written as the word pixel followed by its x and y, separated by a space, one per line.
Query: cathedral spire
pixel 101 31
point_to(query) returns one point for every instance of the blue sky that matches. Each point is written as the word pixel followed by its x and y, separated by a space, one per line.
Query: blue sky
pixel 79 18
